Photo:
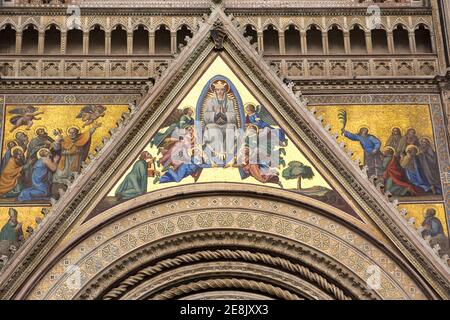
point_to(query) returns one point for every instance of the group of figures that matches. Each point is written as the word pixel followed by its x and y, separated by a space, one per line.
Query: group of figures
pixel 34 169
pixel 223 133
pixel 407 164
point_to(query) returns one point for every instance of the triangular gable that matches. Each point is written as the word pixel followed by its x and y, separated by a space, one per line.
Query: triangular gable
pixel 288 109
pixel 182 152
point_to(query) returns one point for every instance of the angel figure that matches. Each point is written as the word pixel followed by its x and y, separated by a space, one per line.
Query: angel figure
pixel 90 113
pixel 24 117
pixel 179 119
pixel 258 115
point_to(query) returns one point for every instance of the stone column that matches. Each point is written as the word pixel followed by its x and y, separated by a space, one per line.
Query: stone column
pixel 412 41
pixel 173 42
pixel 85 42
pixel 390 38
pixel 151 42
pixel 281 42
pixel 303 42
pixel 325 42
pixel 18 42
pixel 433 41
pixel 369 42
pixel 107 42
pixel 347 45
pixel 63 42
pixel 260 41
pixel 41 42
pixel 129 42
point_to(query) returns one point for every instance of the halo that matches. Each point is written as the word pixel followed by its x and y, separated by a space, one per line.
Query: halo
pixel 221 84
pixel 363 126
pixel 409 128
pixel 15 135
pixel 187 107
pixel 73 127
pixel 250 104
pixel 411 146
pixel 40 127
pixel 430 140
pixel 8 142
pixel 391 148
pixel 39 151
pixel 397 127
pixel 436 211
pixel 15 148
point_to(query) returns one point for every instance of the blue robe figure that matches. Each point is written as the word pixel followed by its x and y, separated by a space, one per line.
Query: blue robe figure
pixel 41 182
pixel 371 146
pixel 183 171
pixel 260 118
pixel 135 183
pixel 413 169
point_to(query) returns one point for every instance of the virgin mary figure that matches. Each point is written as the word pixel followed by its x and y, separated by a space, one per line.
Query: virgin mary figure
pixel 220 120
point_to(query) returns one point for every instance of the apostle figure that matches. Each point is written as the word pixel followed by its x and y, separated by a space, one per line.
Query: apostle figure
pixel 429 163
pixel 74 149
pixel 371 146
pixel 413 170
pixel 12 230
pixel 42 140
pixel 22 140
pixel 394 140
pixel 220 121
pixel 10 184
pixel 41 177
pixel 432 226
pixel 135 183
pixel 408 139
pixel 395 180
pixel 11 144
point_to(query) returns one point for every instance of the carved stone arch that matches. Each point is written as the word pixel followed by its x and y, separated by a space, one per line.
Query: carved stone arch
pixel 30 20
pixel 92 21
pixel 358 22
pixel 184 21
pixel 314 21
pixel 157 22
pixel 337 24
pixel 113 27
pixel 9 21
pixel 25 26
pixel 236 239
pixel 402 22
pixel 285 23
pixel 424 24
pixel 144 21
pixel 269 21
pixel 137 25
pixel 52 23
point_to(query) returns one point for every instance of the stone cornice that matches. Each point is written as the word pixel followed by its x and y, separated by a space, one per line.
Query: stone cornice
pixel 110 11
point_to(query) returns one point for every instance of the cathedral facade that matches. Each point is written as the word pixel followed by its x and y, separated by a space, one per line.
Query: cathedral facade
pixel 264 149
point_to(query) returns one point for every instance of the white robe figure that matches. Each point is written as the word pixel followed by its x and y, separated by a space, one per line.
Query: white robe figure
pixel 220 129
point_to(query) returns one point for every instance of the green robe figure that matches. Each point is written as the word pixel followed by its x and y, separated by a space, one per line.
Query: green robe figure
pixel 135 183
pixel 12 230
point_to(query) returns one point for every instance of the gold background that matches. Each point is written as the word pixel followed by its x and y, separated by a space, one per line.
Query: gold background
pixel 26 215
pixel 64 116
pixel 417 210
pixel 380 119
pixel 219 67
